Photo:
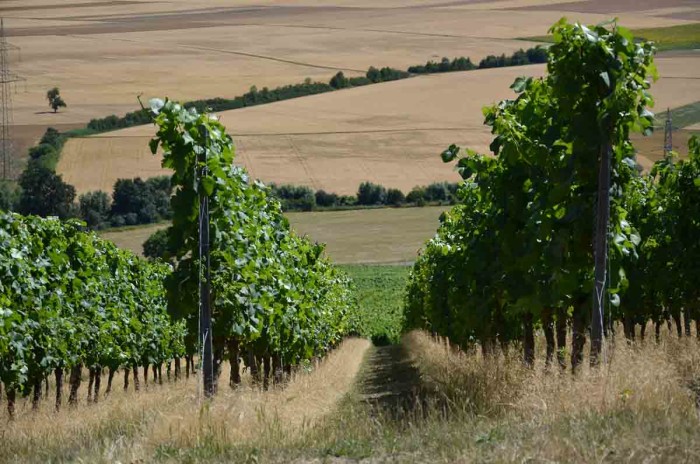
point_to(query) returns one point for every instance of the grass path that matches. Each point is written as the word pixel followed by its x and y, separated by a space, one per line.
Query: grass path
pixel 390 382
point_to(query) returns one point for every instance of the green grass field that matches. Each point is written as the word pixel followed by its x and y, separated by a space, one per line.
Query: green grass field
pixel 683 37
pixel 683 116
pixel 385 235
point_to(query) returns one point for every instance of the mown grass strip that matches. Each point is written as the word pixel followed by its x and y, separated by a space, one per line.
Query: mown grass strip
pixel 682 37
pixel 683 116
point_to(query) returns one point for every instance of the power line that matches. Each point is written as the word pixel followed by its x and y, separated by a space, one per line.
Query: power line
pixel 7 78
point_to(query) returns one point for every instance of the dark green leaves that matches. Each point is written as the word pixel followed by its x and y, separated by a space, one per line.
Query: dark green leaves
pixel 275 292
pixel 450 154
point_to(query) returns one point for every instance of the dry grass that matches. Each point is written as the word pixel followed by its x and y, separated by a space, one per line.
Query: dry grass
pixel 638 408
pixel 384 235
pixel 129 427
pixel 642 405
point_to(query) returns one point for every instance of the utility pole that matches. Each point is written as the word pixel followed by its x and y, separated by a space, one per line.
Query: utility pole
pixel 205 333
pixel 600 253
pixel 7 78
pixel 668 133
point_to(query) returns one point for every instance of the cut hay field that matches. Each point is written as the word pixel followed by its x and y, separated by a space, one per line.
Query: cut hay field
pixel 102 54
pixel 386 235
pixel 390 133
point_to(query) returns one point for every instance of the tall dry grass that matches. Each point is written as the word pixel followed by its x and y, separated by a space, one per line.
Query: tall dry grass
pixel 162 421
pixel 642 405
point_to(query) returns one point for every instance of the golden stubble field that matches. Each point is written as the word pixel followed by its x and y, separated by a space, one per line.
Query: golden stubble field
pixel 102 54
pixel 390 133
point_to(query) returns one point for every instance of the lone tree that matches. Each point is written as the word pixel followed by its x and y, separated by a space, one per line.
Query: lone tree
pixel 55 100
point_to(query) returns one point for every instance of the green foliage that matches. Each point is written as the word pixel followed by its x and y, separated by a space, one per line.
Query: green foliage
pixel 395 197
pixel 519 246
pixel 52 137
pixel 9 195
pixel 69 298
pixel 55 99
pixel 325 199
pixel 95 209
pixel 385 74
pixel 371 194
pixel 156 246
pixel 457 64
pixel 294 197
pixel 112 122
pixel 339 81
pixel 44 193
pixel 378 290
pixel 46 154
pixel 665 207
pixel 518 58
pixel 135 201
pixel 273 292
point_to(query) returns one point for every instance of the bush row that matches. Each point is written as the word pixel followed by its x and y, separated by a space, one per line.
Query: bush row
pixel 303 198
pixel 521 57
pixel 338 81
pixel 256 97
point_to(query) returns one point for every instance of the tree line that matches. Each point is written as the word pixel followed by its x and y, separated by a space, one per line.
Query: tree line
pixel 48 188
pixel 42 192
pixel 369 194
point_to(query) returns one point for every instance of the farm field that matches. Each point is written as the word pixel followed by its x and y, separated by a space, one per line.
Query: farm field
pixel 389 133
pixel 104 54
pixel 385 235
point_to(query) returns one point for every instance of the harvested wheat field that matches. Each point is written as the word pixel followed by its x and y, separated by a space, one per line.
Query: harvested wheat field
pixel 390 133
pixel 103 54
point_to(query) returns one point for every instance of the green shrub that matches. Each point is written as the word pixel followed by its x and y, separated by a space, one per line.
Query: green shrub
pixel 9 195
pixel 325 199
pixel 156 246
pixel 371 194
pixel 148 201
pixel 94 209
pixel 44 193
pixel 416 196
pixel 294 197
pixel 339 81
pixel 395 197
